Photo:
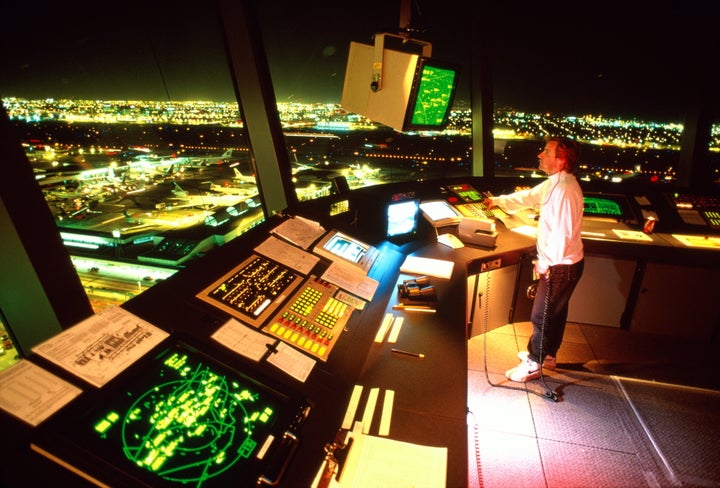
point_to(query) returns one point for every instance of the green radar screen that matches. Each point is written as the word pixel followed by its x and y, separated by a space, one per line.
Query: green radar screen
pixel 182 420
pixel 602 206
pixel 193 426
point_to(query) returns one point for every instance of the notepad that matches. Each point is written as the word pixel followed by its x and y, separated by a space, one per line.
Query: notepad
pixel 427 266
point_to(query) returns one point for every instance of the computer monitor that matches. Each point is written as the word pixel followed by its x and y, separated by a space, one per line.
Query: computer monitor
pixel 401 219
pixel 177 418
pixel 431 95
pixel 337 246
pixel 416 92
pixel 615 207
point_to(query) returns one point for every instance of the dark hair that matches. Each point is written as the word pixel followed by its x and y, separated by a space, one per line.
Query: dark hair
pixel 567 149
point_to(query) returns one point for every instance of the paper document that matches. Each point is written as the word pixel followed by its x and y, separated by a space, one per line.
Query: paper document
pixel 632 235
pixel 103 345
pixel 352 279
pixel 427 266
pixel 292 361
pixel 526 230
pixel 378 461
pixel 287 254
pixel 33 394
pixel 712 242
pixel 243 340
pixel 300 231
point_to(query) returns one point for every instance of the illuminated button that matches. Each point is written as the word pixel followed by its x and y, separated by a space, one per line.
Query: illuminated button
pixel 287 334
pixel 294 337
pixel 322 351
pixel 315 347
pixel 274 327
pixel 281 330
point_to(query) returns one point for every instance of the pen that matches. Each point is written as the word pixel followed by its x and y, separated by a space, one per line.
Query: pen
pixel 408 353
pixel 414 308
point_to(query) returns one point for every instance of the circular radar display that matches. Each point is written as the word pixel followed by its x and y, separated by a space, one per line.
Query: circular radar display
pixel 194 426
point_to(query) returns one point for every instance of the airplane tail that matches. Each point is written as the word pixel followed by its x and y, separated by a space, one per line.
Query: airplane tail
pixel 227 154
pixel 241 177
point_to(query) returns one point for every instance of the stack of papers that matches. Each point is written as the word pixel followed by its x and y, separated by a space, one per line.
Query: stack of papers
pixel 427 266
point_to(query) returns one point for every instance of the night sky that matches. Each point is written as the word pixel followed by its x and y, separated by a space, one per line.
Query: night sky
pixel 629 65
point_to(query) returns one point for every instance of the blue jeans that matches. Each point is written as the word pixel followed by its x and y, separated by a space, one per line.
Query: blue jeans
pixel 550 308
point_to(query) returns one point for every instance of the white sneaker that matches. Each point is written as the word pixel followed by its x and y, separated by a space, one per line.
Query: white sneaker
pixel 549 363
pixel 525 371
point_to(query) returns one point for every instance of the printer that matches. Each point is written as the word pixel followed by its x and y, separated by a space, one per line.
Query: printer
pixel 478 231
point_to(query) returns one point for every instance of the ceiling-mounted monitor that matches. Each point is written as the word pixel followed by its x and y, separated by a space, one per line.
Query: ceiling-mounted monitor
pixel 431 95
pixel 410 91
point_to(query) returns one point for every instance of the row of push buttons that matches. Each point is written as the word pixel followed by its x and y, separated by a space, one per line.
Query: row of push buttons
pixel 315 340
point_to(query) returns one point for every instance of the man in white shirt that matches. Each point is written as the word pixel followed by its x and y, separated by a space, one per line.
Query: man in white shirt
pixel 559 264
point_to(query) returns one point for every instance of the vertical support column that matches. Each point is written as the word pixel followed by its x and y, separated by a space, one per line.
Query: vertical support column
pixel 483 163
pixel 40 292
pixel 254 91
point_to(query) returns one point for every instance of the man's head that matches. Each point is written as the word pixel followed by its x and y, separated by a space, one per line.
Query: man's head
pixel 559 154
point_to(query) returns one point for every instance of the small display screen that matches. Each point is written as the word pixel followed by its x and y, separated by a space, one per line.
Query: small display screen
pixel 402 218
pixel 602 206
pixel 345 247
pixel 466 193
pixel 609 206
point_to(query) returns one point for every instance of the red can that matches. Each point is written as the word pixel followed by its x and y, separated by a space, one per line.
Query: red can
pixel 649 225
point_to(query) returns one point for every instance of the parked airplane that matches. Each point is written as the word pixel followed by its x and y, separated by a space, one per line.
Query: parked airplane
pixel 67 174
pixel 209 160
pixel 238 177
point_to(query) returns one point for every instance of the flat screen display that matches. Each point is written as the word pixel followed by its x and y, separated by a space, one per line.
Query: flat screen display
pixel 346 247
pixel 402 218
pixel 338 246
pixel 181 419
pixel 431 96
pixel 608 206
pixel 466 193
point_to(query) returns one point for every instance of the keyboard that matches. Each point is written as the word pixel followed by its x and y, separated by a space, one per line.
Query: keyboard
pixel 479 211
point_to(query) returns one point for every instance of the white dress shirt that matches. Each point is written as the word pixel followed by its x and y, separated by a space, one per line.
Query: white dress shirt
pixel 559 201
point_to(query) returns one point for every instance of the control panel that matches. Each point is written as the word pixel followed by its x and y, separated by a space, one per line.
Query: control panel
pixel 698 210
pixel 252 290
pixel 312 319
pixel 307 313
pixel 468 201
